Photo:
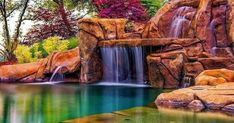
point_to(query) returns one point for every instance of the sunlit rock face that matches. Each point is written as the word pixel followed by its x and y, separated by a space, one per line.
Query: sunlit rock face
pixel 30 72
pixel 206 20
pixel 215 77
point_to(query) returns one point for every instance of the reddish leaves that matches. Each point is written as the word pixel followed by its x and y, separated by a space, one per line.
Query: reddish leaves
pixel 57 22
pixel 130 9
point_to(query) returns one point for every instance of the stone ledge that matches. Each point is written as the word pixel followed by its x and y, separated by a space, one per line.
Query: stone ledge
pixel 148 42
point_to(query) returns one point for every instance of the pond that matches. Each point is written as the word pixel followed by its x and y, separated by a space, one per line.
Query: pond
pixel 26 103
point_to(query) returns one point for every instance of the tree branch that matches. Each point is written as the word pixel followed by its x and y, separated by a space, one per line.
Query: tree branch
pixel 14 8
pixel 7 33
pixel 20 22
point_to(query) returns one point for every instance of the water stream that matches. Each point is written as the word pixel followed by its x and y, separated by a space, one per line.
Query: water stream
pixel 177 26
pixel 57 75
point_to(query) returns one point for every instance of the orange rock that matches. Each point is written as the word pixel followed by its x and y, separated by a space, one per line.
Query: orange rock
pixel 231 20
pixel 30 72
pixel 197 98
pixel 215 77
pixel 18 71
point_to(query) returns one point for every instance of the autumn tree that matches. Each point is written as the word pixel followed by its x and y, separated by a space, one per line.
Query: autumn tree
pixel 130 9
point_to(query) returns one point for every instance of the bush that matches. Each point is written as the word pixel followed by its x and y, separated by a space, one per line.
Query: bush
pixel 73 43
pixel 26 54
pixel 23 54
pixel 55 44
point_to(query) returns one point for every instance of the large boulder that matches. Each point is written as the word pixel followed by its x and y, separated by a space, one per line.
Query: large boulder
pixel 198 98
pixel 215 77
pixel 30 72
pixel 165 70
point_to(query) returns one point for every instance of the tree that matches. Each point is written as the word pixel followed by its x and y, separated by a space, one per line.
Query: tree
pixel 56 18
pixel 130 9
pixel 153 5
pixel 7 9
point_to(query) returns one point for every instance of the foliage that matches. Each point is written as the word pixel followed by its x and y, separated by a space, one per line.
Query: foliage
pixel 55 44
pixel 52 22
pixel 7 10
pixel 130 9
pixel 23 54
pixel 56 18
pixel 44 48
pixel 37 52
pixel 153 5
pixel 73 43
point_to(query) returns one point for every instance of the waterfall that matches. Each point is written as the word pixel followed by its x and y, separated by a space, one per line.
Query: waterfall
pixel 57 75
pixel 122 64
pixel 187 81
pixel 176 29
pixel 138 58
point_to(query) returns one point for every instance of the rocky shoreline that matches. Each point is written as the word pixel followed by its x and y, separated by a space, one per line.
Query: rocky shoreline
pixel 200 98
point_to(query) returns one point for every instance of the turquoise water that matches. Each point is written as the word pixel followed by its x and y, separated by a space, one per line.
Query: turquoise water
pixel 55 103
pixel 61 102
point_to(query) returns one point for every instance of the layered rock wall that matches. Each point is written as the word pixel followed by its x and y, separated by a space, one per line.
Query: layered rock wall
pixel 209 21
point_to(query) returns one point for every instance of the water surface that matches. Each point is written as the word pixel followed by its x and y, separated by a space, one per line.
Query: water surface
pixel 55 103
pixel 61 102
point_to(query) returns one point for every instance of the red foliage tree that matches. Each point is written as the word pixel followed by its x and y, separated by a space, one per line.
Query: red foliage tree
pixel 58 22
pixel 130 9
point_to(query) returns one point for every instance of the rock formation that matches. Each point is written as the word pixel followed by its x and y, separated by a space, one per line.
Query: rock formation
pixel 215 77
pixel 189 36
pixel 37 71
pixel 206 20
pixel 199 98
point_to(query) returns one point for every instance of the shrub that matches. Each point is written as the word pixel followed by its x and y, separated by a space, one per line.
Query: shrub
pixel 73 43
pixel 26 54
pixel 36 52
pixel 55 44
pixel 23 54
pixel 152 6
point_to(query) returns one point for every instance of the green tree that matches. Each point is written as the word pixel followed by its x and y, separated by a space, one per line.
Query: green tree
pixel 7 10
pixel 152 6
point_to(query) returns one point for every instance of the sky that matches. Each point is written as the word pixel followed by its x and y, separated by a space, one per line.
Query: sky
pixel 26 25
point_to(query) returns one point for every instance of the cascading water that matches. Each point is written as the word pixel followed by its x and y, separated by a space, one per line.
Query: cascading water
pixel 57 75
pixel 187 81
pixel 138 59
pixel 122 64
pixel 179 20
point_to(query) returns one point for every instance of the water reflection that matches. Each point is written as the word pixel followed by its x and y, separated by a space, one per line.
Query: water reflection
pixel 52 104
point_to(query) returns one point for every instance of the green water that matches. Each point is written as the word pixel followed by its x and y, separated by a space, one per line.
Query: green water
pixel 56 103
